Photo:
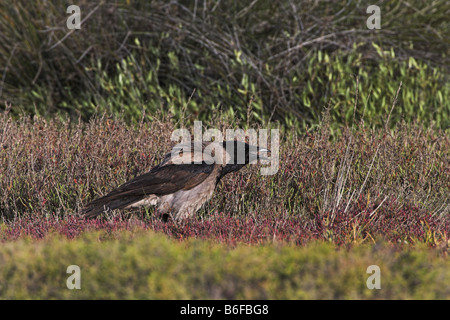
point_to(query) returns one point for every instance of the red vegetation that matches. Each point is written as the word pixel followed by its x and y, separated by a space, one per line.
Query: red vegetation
pixel 357 225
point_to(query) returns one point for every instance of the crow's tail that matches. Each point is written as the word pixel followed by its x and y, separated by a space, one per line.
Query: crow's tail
pixel 107 203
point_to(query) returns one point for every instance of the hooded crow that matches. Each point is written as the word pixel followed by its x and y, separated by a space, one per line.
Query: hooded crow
pixel 182 182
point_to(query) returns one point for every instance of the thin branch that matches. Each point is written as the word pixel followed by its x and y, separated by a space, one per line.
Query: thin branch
pixel 393 105
pixel 71 31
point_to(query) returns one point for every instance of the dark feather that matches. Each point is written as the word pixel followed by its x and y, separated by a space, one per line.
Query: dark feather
pixel 161 180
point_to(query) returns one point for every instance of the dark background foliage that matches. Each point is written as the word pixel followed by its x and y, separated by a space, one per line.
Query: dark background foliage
pixel 287 59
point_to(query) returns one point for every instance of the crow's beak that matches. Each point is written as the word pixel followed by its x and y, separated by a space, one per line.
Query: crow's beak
pixel 262 150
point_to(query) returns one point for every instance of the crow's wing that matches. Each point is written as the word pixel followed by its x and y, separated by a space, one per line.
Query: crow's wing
pixel 159 181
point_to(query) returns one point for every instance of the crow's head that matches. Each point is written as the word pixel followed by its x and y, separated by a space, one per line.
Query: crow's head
pixel 240 154
pixel 231 155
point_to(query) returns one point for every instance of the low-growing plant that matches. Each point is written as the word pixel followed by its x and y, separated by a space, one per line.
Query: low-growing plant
pixel 139 264
pixel 364 184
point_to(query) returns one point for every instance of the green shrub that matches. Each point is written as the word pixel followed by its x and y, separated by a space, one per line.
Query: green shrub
pixel 332 79
pixel 143 265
